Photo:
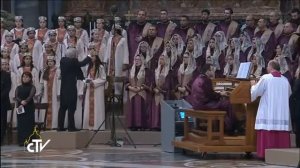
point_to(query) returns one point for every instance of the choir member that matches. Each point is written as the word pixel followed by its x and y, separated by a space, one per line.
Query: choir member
pixel 156 46
pixel 116 58
pixel 165 26
pixel 229 26
pixel 205 28
pixel 138 88
pixel 81 33
pixel 144 50
pixel 295 16
pixel 58 48
pixel 288 37
pixel 103 35
pixel 98 43
pixel 42 33
pixel 48 51
pixel 136 31
pixel 50 83
pixel 19 32
pixel 195 48
pixel 24 99
pixel 94 106
pixel 5 55
pixel 284 57
pixel 232 66
pixel 117 21
pixel 34 46
pixel 18 58
pixel 274 24
pixel 185 74
pixel 179 45
pixel 12 47
pixel 268 38
pixel 3 31
pixel 234 49
pixel 184 29
pixel 246 44
pixel 61 30
pixel 255 56
pixel 249 26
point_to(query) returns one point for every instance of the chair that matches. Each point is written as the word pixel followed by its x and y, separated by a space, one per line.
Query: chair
pixel 38 107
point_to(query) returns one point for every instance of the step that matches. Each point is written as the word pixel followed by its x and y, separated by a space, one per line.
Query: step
pixel 283 157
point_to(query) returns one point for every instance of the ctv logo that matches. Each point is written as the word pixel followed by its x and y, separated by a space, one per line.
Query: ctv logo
pixel 36 145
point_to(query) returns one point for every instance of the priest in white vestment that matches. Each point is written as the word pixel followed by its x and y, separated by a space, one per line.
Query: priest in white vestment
pixel 273 122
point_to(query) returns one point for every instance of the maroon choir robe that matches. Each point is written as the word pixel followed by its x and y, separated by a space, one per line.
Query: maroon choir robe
pixel 157 46
pixel 203 97
pixel 250 31
pixel 206 30
pixel 135 30
pixel 269 40
pixel 277 29
pixel 230 29
pixel 184 32
pixel 165 30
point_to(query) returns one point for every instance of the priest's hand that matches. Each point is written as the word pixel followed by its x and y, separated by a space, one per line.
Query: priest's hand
pixel 253 82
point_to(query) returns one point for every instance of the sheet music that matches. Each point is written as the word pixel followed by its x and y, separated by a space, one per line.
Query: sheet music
pixel 244 70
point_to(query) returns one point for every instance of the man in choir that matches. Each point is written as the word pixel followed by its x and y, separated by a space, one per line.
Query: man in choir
pixel 249 26
pixel 274 25
pixel 34 46
pixel 229 26
pixel 3 31
pixel 81 33
pixel 70 73
pixel 136 31
pixel 61 31
pixel 156 47
pixel 184 29
pixel 116 58
pixel 5 102
pixel 273 115
pixel 205 28
pixel 295 16
pixel 268 38
pixel 42 33
pixel 288 37
pixel 165 27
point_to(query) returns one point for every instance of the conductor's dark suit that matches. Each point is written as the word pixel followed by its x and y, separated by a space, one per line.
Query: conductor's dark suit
pixel 5 103
pixel 70 73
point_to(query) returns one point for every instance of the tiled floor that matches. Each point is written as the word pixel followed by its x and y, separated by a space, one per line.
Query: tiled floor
pixel 122 157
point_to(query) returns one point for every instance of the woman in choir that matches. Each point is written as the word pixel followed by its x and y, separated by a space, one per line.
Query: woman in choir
pixel 50 83
pixel 3 31
pixel 255 56
pixel 24 99
pixel 203 97
pixel 144 50
pixel 42 33
pixel 34 46
pixel 19 32
pixel 5 55
pixel 98 43
pixel 94 106
pixel 220 40
pixel 48 51
pixel 185 74
pixel 161 91
pixel 13 48
pixel 195 47
pixel 58 48
pixel 138 88
pixel 23 48
pixel 27 66
pixel 284 58
pixel 232 66
pixel 235 49
pixel 245 46
pixel 217 56
pixel 61 30
pixel 176 39
pixel 103 34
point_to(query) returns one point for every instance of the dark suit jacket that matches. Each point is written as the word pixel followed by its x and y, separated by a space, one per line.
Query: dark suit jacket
pixel 70 73
pixel 5 88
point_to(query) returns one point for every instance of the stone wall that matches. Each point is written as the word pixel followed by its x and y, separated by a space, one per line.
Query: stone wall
pixel 176 8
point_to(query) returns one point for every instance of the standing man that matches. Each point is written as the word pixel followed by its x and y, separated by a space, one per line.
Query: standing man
pixel 249 26
pixel 229 26
pixel 273 114
pixel 274 25
pixel 136 31
pixel 5 102
pixel 165 27
pixel 184 29
pixel 205 28
pixel 70 73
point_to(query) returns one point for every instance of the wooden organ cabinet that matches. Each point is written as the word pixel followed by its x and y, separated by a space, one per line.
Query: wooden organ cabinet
pixel 214 139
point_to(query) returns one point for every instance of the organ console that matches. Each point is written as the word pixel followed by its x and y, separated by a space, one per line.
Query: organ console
pixel 212 140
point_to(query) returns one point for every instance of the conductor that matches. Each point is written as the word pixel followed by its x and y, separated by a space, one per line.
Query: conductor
pixel 70 73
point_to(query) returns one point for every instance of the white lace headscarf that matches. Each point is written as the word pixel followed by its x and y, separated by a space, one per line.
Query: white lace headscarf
pixel 148 52
pixel 191 65
pixel 165 69
pixel 180 44
pixel 170 47
pixel 221 40
pixel 141 73
pixel 246 42
pixel 215 56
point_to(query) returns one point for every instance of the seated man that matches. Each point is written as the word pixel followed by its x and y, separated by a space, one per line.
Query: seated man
pixel 203 97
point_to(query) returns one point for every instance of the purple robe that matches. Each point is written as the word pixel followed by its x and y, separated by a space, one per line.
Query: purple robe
pixel 161 28
pixel 200 28
pixel 154 60
pixel 283 39
pixel 182 32
pixel 250 31
pixel 222 62
pixel 223 26
pixel 244 55
pixel 203 97
pixel 134 30
pixel 270 46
